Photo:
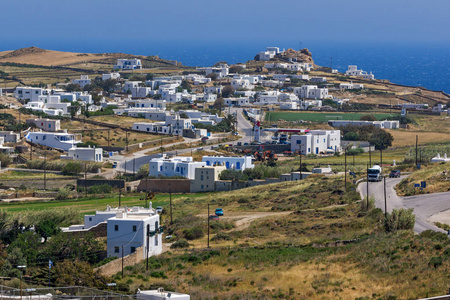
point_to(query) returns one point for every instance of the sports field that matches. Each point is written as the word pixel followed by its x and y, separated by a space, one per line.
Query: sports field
pixel 318 116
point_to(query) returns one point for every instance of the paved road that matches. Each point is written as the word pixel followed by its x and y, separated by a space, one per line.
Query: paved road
pixel 136 160
pixel 424 205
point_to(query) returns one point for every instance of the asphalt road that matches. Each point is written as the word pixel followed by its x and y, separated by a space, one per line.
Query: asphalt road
pixel 424 205
pixel 133 163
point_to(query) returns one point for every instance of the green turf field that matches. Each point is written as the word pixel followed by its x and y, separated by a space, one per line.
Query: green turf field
pixel 318 116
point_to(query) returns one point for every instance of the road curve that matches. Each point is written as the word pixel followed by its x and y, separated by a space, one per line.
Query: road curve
pixel 424 205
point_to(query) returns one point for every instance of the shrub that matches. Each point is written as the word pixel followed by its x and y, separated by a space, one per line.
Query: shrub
pixel 400 219
pixel 5 160
pixel 221 236
pixel 100 189
pixel 193 233
pixel 63 194
pixel 435 261
pixel 72 168
pixel 182 243
pixel 370 206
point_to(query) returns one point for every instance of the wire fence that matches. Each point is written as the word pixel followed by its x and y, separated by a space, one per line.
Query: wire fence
pixel 71 292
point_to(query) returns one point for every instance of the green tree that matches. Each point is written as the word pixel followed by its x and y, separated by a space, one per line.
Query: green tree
pixel 381 139
pixel 47 228
pixel 72 273
pixel 72 168
pixel 227 91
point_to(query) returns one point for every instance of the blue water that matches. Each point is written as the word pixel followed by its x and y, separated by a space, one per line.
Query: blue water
pixel 426 65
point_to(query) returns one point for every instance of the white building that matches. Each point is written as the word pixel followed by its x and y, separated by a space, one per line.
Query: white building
pixel 213 89
pixel 147 103
pixel 317 142
pixel 438 158
pixel 62 140
pixel 161 294
pixel 129 85
pixel 241 84
pixel 230 162
pixel 393 124
pixel 292 105
pixel 414 106
pixel 221 70
pixel 133 228
pixel 84 154
pixel 140 91
pixel 353 71
pixel 311 92
pixel 128 64
pixel 83 81
pixel 176 166
pixel 45 124
pixel 318 79
pixel 351 86
pixel 108 76
pixel 242 101
pixel 10 136
pixel 28 93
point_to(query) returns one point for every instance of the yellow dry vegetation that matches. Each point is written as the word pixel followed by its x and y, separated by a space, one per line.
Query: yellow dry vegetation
pixel 403 138
pixel 49 58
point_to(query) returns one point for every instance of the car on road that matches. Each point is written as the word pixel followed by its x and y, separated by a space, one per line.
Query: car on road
pixel 245 144
pixel 159 209
pixel 394 174
pixel 214 217
pixel 219 212
pixel 205 138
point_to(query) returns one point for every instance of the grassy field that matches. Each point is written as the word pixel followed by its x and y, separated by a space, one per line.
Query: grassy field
pixel 436 175
pixel 318 116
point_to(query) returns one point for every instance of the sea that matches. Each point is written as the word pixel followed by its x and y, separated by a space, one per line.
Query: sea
pixel 411 64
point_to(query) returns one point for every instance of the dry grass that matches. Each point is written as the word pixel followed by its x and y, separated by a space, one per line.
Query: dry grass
pixel 48 58
pixel 403 138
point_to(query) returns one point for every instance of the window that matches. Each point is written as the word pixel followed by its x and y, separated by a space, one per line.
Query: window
pixel 299 142
pixel 156 240
pixel 116 249
pixel 90 219
pixel 201 177
pixel 133 249
pixel 116 227
pixel 134 228
pixel 201 187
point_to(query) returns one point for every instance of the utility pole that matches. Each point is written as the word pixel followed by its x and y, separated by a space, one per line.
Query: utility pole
pixel 134 166
pixel 208 224
pixel 417 141
pixel 126 137
pixel 370 155
pixel 31 151
pixel 108 138
pixel 381 158
pixel 345 169
pixel 120 195
pixel 122 261
pixel 85 180
pixel 367 191
pixel 300 153
pixel 385 201
pixel 161 145
pixel 45 171
pixel 170 203
pixel 148 243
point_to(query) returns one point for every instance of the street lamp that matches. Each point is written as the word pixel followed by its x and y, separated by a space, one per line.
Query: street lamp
pixel 21 275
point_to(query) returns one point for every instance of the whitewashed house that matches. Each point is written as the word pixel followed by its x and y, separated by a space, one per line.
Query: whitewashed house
pixel 230 162
pixel 311 92
pixel 58 140
pixel 205 178
pixel 221 70
pixel 353 71
pixel 83 81
pixel 176 166
pixel 213 89
pixel 140 91
pixel 29 93
pixel 351 86
pixel 10 136
pixel 128 64
pixel 129 85
pixel 109 76
pixel 84 154
pixel 241 101
pixel 133 228
pixel 317 142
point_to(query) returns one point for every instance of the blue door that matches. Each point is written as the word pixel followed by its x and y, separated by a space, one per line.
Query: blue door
pixel 238 165
pixel 317 150
pixel 227 164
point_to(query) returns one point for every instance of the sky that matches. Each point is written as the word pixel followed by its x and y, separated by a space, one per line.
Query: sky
pixel 29 22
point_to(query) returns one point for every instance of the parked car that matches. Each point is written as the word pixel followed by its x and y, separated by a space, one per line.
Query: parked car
pixel 239 143
pixel 394 174
pixel 205 138
pixel 159 209
pixel 219 212
pixel 214 217
pixel 245 144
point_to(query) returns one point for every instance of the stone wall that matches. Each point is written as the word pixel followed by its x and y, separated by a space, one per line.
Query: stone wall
pixel 115 183
pixel 165 185
pixel 115 266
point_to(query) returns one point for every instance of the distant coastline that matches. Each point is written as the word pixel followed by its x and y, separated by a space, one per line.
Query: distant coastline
pixel 409 65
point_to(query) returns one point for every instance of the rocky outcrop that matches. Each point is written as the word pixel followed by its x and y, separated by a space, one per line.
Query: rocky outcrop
pixel 303 55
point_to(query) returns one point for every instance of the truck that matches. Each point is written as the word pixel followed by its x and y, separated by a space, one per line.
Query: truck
pixel 375 174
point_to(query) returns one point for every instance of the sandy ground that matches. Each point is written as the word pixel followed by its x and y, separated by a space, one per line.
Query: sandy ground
pixel 442 217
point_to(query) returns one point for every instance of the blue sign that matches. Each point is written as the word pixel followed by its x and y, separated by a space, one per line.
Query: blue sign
pixel 416 185
pixel 418 166
pixel 352 173
pixel 423 184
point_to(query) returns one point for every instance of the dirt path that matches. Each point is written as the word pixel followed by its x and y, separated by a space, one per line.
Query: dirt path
pixel 244 219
